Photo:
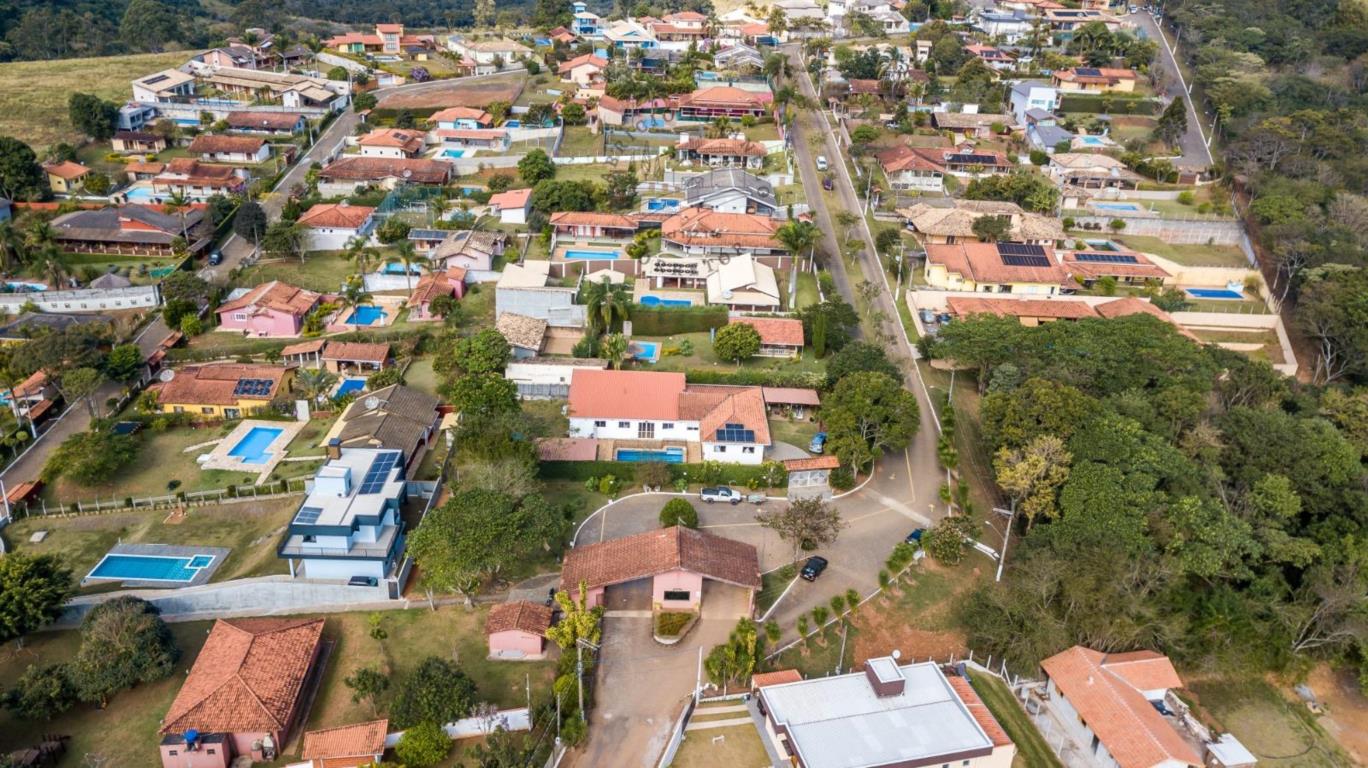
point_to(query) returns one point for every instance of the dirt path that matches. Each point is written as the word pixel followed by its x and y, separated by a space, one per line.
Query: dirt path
pixel 1346 715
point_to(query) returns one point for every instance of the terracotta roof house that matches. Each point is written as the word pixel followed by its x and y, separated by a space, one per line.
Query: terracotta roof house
pixel 196 180
pixel 495 139
pixel 1094 79
pixel 725 423
pixel 525 335
pixel 512 206
pixel 707 104
pixel 333 226
pixel 137 141
pixel 247 684
pixel 342 176
pixel 450 282
pixel 994 267
pixel 392 142
pixel 779 336
pixel 996 58
pixel 266 122
pixel 1124 265
pixel 722 153
pixel 675 559
pixel 1104 701
pixel 517 630
pixel 274 309
pixel 355 357
pixel 583 71
pixel 398 417
pixel 388 38
pixel 241 150
pixel 886 715
pixel 703 231
pixel 135 230
pixel 346 746
pixel 591 224
pixel 615 111
pixel 1031 312
pixel 143 171
pixel 455 118
pixel 66 176
pixel 970 124
pixel 954 223
pixel 470 249
pixel 222 390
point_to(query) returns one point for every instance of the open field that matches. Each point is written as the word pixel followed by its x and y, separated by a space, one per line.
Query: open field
pixel 1281 734
pixel 735 745
pixel 1032 751
pixel 322 271
pixel 248 528
pixel 1196 255
pixel 34 94
pixel 704 357
pixel 460 93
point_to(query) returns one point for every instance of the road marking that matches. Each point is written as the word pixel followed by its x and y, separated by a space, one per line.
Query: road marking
pixel 911 488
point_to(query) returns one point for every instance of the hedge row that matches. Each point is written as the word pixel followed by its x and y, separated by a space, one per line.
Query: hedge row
pixel 757 377
pixel 729 474
pixel 1115 105
pixel 667 321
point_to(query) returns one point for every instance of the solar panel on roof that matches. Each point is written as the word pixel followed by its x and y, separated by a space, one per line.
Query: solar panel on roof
pixel 1026 261
pixel 308 515
pixel 379 472
pixel 1019 249
pixel 252 387
pixel 735 433
pixel 1088 71
pixel 1107 258
pixel 971 158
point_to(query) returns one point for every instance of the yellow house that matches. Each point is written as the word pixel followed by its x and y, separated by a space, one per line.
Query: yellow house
pixel 1095 80
pixel 223 390
pixel 994 268
pixel 65 177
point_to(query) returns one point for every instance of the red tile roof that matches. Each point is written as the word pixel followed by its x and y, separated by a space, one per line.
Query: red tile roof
pixel 626 394
pixel 588 59
pixel 275 296
pixel 521 616
pixel 729 147
pixel 714 406
pixel 263 121
pixel 434 284
pixel 419 171
pixel 398 138
pixel 336 216
pixel 722 97
pixel 214 384
pixel 779 677
pixel 790 396
pixel 513 198
pixel 362 740
pixel 452 114
pixel 567 449
pixel 209 144
pixel 702 227
pixel 591 219
pixel 815 462
pixel 982 263
pixel 304 348
pixel 779 331
pixel 656 552
pixel 247 677
pixel 979 711
pixel 356 351
pixel 66 170
pixel 1133 731
pixel 1060 309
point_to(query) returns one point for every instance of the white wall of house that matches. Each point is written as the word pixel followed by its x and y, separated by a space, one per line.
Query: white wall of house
pixel 342 569
pixel 631 429
pixel 919 181
pixel 329 238
pixel 513 215
pixel 395 152
pixel 734 453
pixel 84 299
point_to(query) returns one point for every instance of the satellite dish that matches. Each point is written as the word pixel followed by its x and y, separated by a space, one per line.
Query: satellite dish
pixel 372 403
pixel 166 375
pixel 897 654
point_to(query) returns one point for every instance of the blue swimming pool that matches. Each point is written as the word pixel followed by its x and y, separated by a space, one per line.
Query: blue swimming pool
pixel 139 194
pixel 656 301
pixel 366 316
pixel 1214 293
pixel 150 567
pixel 1092 141
pixel 648 123
pixel 1116 206
pixel 455 153
pixel 349 386
pixel 252 447
pixel 512 124
pixel 662 204
pixel 397 268
pixel 667 455
pixel 587 255
pixel 645 350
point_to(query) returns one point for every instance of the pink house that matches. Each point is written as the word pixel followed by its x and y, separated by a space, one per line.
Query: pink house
pixel 430 286
pixel 273 309
pixel 676 560
pixel 518 630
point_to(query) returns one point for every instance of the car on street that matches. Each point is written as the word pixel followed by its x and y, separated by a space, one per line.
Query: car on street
pixel 818 443
pixel 215 258
pixel 719 493
pixel 827 183
pixel 914 538
pixel 821 162
pixel 813 568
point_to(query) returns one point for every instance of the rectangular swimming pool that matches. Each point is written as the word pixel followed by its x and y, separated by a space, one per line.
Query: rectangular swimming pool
pixel 655 301
pixel 1214 293
pixel 1116 206
pixel 366 316
pixel 454 153
pixel 349 386
pixel 150 567
pixel 666 455
pixel 648 351
pixel 586 255
pixel 252 447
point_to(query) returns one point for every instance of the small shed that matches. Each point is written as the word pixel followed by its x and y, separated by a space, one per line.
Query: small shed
pixel 1228 752
pixel 814 472
pixel 517 631
pixel 346 746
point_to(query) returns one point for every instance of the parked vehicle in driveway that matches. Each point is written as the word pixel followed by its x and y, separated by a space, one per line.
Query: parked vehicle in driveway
pixel 914 538
pixel 813 568
pixel 362 581
pixel 215 258
pixel 818 443
pixel 756 498
pixel 720 493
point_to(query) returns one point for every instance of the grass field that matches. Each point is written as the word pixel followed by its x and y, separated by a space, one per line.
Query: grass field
pixel 249 529
pixel 323 271
pixel 34 94
pixel 704 357
pixel 1279 733
pixel 1195 255
pixel 738 745
pixel 1032 751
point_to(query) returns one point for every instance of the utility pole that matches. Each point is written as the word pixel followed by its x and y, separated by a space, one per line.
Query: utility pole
pixel 1006 537
pixel 579 677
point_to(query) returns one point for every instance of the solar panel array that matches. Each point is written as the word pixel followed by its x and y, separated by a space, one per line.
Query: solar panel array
pixel 253 387
pixel 378 473
pixel 308 515
pixel 735 433
pixel 1022 255
pixel 971 158
pixel 1088 71
pixel 1107 258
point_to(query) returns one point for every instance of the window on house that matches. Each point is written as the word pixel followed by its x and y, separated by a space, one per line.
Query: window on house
pixel 748 449
pixel 600 423
pixel 721 449
pixel 309 538
pixel 645 430
pixel 209 751
pixel 677 594
pixel 624 425
pixel 667 425
pixel 177 409
pixel 206 409
pixel 172 752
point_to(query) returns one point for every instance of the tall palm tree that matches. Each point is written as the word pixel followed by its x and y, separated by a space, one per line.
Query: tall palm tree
pixel 54 266
pixel 798 236
pixel 40 233
pixel 314 383
pixel 354 293
pixel 719 127
pixel 604 301
pixel 11 246
pixel 408 256
pixel 177 204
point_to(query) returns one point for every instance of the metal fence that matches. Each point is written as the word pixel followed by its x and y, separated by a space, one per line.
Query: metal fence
pixel 97 506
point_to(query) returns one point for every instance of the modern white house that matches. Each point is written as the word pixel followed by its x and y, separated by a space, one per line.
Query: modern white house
pixel 350 523
pixel 657 416
pixel 1033 94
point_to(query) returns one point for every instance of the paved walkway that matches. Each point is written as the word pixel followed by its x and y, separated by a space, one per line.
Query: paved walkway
pixel 707 724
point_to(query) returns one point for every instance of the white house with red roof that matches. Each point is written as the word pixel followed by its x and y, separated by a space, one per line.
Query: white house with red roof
pixel 331 226
pixel 658 411
pixel 512 206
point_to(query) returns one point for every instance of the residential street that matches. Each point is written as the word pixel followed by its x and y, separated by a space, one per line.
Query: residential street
pixel 1196 155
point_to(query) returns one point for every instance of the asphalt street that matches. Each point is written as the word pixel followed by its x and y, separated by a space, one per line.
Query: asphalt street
pixel 1196 154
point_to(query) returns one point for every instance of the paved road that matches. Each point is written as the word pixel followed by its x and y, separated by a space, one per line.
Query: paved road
pixel 1196 155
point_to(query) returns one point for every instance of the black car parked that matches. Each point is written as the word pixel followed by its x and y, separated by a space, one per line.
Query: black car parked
pixel 813 568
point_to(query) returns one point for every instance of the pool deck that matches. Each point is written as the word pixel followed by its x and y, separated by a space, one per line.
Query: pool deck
pixel 165 550
pixel 613 250
pixel 391 305
pixel 219 458
pixel 643 288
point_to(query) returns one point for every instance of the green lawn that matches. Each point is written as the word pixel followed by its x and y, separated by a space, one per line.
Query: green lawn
pixel 420 375
pixel 819 654
pixel 736 745
pixel 322 271
pixel 807 290
pixel 1196 255
pixel 34 94
pixel 1032 751
pixel 703 357
pixel 772 585
pixel 786 430
pixel 1279 733
pixel 249 529
pixel 579 141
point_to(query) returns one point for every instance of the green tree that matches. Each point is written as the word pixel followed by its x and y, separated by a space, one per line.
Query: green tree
pixel 483 393
pixel 860 356
pixel 1333 312
pixel 536 166
pixel 250 223
pixel 485 352
pixel 991 229
pixel 1033 475
pixel 605 302
pixel 394 230
pixel 1172 123
pixel 91 457
pixel 578 620
pixel 573 114
pixel 423 745
pixel 840 321
pixel 123 642
pixel 734 660
pixel 613 348
pixel 79 385
pixel 805 523
pixel 41 693
pixel 32 591
pixel 338 73
pixel 93 116
pixel 736 342
pixel 477 533
pixel 366 684
pixel 866 414
pixel 798 236
pixel 436 691
pixel 21 178
pixel 678 512
pixel 186 286
pixel 150 25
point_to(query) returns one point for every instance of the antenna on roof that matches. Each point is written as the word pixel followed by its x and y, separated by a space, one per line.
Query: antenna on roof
pixel 372 403
pixel 166 375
